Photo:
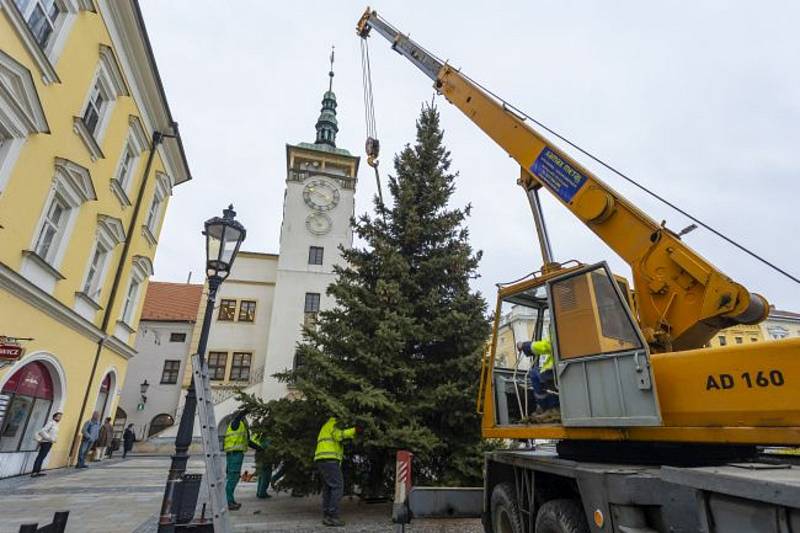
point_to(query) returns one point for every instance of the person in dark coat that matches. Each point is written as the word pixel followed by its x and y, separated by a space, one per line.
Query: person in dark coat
pixel 128 438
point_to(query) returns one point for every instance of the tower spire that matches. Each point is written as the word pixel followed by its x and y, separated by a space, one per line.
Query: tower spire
pixel 327 125
pixel 330 73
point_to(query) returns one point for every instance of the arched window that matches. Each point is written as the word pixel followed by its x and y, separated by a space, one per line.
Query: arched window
pixel 159 424
pixel 28 395
pixel 120 420
pixel 103 396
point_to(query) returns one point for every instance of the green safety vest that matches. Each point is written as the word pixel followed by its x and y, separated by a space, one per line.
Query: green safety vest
pixel 329 441
pixel 236 440
pixel 544 349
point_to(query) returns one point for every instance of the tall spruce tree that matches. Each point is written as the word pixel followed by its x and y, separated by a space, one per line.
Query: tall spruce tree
pixel 399 354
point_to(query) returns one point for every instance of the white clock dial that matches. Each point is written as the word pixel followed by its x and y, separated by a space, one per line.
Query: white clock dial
pixel 320 195
pixel 318 223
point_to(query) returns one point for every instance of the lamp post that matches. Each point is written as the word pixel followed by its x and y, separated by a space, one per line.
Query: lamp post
pixel 224 236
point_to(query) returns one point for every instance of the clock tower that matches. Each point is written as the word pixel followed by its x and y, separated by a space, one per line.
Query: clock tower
pixel 317 207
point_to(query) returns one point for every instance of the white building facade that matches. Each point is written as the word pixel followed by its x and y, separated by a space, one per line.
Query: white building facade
pixel 165 339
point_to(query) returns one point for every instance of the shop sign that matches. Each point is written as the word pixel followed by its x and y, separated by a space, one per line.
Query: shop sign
pixel 10 351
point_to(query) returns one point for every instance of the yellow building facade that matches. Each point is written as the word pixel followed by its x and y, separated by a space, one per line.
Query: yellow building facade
pixel 89 156
pixel 740 334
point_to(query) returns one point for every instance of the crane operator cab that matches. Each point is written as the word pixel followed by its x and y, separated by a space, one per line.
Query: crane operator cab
pixel 567 349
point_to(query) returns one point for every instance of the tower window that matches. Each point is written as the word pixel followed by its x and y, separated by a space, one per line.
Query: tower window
pixel 315 254
pixel 312 302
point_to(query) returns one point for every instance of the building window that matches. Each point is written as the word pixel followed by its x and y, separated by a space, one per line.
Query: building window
pixel 312 302
pixel 92 286
pixel 240 366
pixel 217 361
pixel 169 376
pixel 315 254
pixel 738 340
pixel 125 169
pixel 95 108
pixel 177 337
pixel 753 339
pixel 107 86
pixel 227 310
pixel 152 214
pixel 53 228
pixel 722 340
pixel 42 17
pixel 21 113
pixel 159 424
pixel 72 186
pixel 130 301
pixel 247 311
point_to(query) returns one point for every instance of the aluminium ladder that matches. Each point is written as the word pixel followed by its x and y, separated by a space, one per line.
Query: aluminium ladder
pixel 214 458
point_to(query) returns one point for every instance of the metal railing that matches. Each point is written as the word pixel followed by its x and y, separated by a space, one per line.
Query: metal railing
pixel 220 393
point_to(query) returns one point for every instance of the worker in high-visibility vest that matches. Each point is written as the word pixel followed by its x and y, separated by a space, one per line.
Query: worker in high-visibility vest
pixel 328 459
pixel 263 466
pixel 235 444
pixel 542 378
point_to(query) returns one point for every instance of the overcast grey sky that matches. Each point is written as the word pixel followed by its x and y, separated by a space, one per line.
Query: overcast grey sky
pixel 698 101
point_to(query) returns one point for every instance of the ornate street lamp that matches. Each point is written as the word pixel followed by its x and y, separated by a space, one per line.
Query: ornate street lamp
pixel 143 386
pixel 224 236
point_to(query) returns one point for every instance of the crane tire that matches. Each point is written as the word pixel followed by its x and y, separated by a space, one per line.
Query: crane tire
pixel 561 516
pixel 505 517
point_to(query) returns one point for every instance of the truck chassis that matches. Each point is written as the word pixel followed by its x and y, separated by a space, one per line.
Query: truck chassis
pixel 536 491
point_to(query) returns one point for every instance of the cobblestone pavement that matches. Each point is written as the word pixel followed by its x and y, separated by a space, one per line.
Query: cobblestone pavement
pixel 123 496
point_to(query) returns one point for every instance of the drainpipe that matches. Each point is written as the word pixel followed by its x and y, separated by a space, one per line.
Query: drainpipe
pixel 156 139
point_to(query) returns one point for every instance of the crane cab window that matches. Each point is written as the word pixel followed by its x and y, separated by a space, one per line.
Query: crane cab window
pixel 521 317
pixel 590 316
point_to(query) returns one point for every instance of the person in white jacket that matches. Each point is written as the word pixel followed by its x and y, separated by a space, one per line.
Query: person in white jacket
pixel 47 437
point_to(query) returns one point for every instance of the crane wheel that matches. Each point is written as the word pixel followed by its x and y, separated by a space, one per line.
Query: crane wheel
pixel 561 516
pixel 506 517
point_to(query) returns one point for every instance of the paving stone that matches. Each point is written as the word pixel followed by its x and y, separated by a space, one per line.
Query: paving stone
pixel 123 496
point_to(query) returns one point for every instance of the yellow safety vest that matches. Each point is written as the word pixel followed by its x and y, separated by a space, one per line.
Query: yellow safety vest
pixel 236 439
pixel 329 441
pixel 544 349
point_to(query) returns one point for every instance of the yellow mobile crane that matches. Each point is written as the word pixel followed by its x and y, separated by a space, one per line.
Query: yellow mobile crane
pixel 635 379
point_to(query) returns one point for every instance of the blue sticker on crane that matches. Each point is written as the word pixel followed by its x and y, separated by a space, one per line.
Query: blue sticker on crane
pixel 558 174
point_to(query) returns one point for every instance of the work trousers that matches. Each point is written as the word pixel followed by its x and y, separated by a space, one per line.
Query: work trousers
pixel 44 449
pixel 83 450
pixel 264 477
pixel 539 379
pixel 233 471
pixel 332 487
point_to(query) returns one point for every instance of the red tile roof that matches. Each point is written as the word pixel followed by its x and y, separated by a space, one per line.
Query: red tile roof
pixel 174 302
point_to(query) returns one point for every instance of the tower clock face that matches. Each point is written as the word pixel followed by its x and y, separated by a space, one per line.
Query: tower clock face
pixel 320 195
pixel 318 223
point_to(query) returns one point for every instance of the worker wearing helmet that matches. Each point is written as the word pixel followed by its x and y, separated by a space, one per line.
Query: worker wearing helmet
pixel 328 459
pixel 542 378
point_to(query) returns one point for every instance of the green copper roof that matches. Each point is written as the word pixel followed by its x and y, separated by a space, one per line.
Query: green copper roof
pixel 324 148
pixel 327 125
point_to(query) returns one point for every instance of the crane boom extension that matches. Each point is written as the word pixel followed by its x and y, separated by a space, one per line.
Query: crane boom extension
pixel 683 299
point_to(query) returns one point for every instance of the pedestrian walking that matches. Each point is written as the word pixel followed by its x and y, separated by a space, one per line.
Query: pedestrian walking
pixel 263 466
pixel 46 438
pixel 328 459
pixel 237 439
pixel 103 440
pixel 89 435
pixel 128 438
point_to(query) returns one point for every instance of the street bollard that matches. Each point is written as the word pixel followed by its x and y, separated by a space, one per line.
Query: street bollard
pixel 402 486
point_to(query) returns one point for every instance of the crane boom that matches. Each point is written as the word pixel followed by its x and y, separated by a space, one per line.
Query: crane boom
pixel 683 300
